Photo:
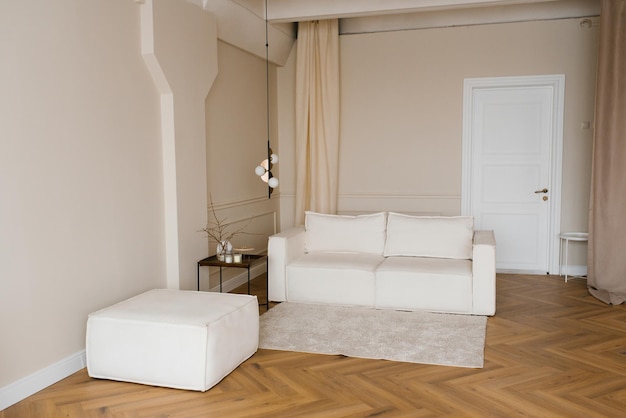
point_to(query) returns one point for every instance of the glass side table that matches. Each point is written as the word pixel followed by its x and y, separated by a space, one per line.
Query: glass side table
pixel 247 261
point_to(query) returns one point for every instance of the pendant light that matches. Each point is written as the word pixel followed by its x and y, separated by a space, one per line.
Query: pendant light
pixel 264 169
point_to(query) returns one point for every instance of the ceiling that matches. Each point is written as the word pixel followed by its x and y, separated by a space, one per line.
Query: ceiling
pixel 242 22
pixel 280 11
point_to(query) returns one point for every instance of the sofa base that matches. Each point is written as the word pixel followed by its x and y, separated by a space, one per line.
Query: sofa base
pixel 429 284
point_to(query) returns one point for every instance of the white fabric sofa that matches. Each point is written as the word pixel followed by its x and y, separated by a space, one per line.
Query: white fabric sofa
pixel 385 261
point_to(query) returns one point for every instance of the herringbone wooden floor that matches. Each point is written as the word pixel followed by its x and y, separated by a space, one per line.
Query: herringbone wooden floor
pixel 552 350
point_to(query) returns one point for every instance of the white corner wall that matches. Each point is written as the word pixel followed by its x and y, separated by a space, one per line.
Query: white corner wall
pixel 82 213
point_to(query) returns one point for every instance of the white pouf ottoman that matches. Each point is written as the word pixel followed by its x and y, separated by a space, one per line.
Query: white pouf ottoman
pixel 173 338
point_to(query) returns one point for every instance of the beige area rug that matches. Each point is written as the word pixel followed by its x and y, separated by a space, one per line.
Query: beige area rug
pixel 415 337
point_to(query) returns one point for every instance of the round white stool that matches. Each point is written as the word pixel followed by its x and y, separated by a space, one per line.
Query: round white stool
pixel 567 237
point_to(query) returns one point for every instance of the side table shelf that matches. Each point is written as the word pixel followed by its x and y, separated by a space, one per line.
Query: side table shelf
pixel 247 261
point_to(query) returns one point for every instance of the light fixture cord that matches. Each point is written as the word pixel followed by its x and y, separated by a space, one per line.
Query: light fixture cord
pixel 267 96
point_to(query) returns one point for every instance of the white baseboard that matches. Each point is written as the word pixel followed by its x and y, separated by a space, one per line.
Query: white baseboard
pixel 571 271
pixel 31 384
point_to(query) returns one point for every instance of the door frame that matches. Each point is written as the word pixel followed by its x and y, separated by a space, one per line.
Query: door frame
pixel 557 83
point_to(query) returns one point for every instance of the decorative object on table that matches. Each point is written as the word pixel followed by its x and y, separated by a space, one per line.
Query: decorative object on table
pixel 223 249
pixel 264 169
pixel 414 337
pixel 240 254
pixel 219 231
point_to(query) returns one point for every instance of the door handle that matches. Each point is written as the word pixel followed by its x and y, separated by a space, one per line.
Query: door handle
pixel 544 190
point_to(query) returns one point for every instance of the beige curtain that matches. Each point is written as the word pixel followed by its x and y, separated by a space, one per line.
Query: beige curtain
pixel 317 117
pixel 607 217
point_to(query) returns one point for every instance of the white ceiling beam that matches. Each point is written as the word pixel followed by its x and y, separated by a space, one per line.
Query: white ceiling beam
pixel 304 10
pixel 473 16
pixel 245 29
pixel 242 22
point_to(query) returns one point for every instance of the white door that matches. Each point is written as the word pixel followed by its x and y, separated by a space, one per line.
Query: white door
pixel 513 130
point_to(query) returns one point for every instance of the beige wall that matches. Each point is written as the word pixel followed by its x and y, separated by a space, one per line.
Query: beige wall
pixel 286 138
pixel 401 110
pixel 236 120
pixel 81 210
pixel 82 179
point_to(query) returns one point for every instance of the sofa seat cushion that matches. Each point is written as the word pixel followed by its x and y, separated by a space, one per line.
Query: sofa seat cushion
pixel 421 283
pixel 338 279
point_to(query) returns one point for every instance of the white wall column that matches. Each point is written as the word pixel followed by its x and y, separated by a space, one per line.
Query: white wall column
pixel 179 45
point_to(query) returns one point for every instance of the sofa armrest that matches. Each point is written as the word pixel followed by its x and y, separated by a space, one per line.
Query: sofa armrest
pixel 484 273
pixel 281 249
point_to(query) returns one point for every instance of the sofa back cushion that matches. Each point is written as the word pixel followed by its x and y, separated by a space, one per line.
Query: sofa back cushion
pixel 342 233
pixel 425 236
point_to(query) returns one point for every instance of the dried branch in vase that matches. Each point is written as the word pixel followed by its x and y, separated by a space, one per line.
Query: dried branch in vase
pixel 218 229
